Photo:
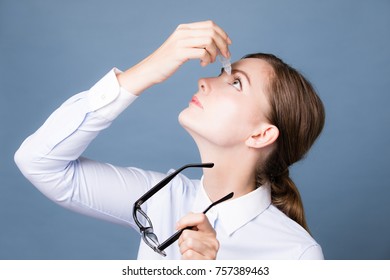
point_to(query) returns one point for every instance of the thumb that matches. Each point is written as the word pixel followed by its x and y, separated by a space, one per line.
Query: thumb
pixel 197 220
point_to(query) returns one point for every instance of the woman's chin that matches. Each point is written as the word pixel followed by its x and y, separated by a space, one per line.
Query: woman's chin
pixel 185 119
pixel 188 123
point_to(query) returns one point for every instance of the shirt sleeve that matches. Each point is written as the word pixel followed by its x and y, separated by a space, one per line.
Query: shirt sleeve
pixel 312 253
pixel 51 157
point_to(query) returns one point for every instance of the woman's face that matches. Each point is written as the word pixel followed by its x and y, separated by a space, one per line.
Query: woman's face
pixel 228 109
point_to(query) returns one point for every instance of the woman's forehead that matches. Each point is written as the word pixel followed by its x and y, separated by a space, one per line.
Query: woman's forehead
pixel 258 70
pixel 254 65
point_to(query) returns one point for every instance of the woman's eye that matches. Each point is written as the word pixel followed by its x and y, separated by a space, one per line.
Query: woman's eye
pixel 237 84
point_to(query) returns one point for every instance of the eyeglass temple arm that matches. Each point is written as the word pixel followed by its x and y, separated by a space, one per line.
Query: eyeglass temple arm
pixel 177 234
pixel 166 180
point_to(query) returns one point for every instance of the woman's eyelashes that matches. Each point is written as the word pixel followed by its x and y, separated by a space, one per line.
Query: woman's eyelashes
pixel 233 80
pixel 237 83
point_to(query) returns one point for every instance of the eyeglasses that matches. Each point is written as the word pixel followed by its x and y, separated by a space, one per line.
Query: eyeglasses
pixel 145 224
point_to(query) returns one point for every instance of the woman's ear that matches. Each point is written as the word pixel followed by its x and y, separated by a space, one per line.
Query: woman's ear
pixel 264 136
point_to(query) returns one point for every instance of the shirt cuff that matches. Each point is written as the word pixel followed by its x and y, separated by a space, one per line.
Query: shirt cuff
pixel 107 98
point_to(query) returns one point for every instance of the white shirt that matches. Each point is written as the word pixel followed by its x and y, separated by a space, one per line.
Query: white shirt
pixel 248 227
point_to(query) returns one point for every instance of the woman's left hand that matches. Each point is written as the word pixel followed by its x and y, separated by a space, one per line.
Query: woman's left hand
pixel 199 243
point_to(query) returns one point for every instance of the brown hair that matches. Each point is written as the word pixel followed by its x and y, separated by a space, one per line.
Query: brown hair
pixel 298 113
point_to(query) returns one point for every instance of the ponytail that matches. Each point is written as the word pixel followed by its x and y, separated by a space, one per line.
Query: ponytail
pixel 285 196
pixel 284 193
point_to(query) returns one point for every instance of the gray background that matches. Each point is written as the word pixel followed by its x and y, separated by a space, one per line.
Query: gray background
pixel 50 50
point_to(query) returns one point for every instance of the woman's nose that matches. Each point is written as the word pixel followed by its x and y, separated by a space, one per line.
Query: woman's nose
pixel 203 85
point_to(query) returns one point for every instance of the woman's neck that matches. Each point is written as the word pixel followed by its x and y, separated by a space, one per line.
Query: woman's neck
pixel 234 171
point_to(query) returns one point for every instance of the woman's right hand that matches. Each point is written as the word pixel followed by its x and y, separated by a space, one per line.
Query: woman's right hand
pixel 199 40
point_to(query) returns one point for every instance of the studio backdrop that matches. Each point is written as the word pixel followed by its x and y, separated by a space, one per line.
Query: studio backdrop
pixel 52 49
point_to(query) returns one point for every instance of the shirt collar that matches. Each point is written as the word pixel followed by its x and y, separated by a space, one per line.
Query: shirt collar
pixel 234 213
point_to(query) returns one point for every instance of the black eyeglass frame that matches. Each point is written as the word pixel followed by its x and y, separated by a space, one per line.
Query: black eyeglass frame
pixel 147 232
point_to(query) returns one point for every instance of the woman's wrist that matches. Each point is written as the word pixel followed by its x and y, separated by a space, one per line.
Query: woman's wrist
pixel 136 79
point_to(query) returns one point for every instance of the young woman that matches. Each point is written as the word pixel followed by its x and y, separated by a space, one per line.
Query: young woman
pixel 252 125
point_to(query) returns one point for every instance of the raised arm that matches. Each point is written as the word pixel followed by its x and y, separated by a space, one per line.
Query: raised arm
pixel 51 157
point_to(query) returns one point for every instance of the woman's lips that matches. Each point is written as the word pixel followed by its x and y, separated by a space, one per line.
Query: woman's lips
pixel 196 102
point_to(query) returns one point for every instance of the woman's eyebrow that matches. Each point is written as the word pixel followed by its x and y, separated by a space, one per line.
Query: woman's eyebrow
pixel 243 73
pixel 239 71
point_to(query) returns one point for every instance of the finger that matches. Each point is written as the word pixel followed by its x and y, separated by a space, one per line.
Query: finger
pixel 195 53
pixel 205 245
pixel 207 39
pixel 198 220
pixel 192 255
pixel 196 25
pixel 186 234
pixel 208 24
pixel 212 38
pixel 219 35
pixel 205 43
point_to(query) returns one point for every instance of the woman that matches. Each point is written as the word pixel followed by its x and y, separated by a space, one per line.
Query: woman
pixel 252 124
